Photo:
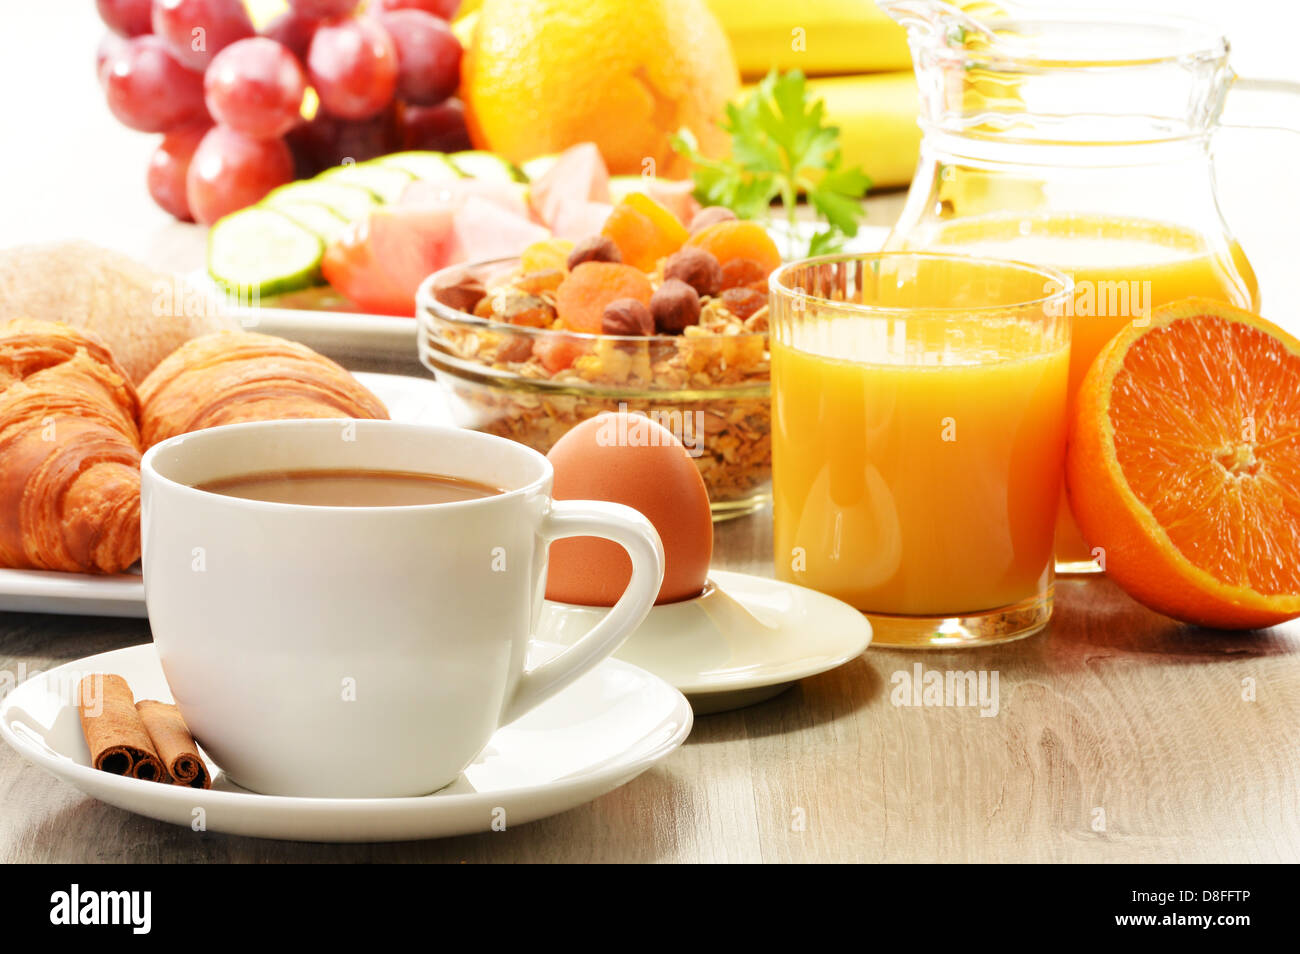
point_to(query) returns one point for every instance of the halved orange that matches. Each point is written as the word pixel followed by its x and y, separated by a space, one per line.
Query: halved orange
pixel 1184 465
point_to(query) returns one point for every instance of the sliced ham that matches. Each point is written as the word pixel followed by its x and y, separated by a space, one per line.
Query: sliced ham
pixel 579 220
pixel 578 176
pixel 511 196
pixel 483 230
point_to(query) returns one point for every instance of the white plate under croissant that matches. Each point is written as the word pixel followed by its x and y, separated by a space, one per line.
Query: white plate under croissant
pixel 415 400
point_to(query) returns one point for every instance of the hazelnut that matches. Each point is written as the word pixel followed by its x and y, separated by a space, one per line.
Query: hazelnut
pixel 743 302
pixel 458 289
pixel 744 272
pixel 594 249
pixel 626 316
pixel 710 215
pixel 697 268
pixel 675 305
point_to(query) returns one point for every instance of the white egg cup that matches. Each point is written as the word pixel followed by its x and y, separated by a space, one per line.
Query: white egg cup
pixel 741 641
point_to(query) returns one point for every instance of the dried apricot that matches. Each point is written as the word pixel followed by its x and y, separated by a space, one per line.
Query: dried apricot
pixel 583 295
pixel 668 224
pixel 644 231
pixel 743 302
pixel 740 239
pixel 546 254
pixel 542 280
pixel 557 352
pixel 513 304
pixel 744 273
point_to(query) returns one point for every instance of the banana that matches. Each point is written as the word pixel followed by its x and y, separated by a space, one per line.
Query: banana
pixel 820 37
pixel 876 114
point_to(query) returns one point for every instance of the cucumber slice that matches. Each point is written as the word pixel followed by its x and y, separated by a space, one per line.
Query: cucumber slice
pixel 386 182
pixel 537 167
pixel 258 252
pixel 487 165
pixel 320 220
pixel 434 166
pixel 348 201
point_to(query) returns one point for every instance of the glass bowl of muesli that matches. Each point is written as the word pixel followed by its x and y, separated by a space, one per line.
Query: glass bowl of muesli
pixel 494 337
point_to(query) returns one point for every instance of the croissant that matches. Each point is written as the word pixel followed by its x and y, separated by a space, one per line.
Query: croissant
pixel 235 376
pixel 69 452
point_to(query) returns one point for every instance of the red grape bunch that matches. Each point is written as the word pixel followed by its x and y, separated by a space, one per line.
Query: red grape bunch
pixel 230 101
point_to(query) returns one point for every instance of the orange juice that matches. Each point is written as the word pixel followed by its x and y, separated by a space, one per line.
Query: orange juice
pixel 920 488
pixel 1122 268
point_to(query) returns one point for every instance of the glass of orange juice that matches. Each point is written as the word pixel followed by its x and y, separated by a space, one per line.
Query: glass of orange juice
pixel 918 440
pixel 1123 269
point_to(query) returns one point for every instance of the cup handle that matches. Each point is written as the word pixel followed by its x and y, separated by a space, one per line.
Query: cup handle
pixel 635 534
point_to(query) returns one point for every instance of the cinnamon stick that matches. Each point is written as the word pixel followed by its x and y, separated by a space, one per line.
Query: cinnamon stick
pixel 171 737
pixel 113 729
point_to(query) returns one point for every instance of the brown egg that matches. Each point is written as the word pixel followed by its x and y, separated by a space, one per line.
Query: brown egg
pixel 632 460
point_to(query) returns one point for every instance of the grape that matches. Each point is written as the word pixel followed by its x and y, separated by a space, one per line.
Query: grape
pixel 126 17
pixel 327 140
pixel 445 9
pixel 148 89
pixel 321 9
pixel 439 128
pixel 353 66
pixel 110 46
pixel 293 32
pixel 255 87
pixel 196 30
pixel 229 171
pixel 428 56
pixel 168 167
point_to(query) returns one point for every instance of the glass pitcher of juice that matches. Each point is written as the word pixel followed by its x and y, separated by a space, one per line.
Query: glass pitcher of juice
pixel 1079 142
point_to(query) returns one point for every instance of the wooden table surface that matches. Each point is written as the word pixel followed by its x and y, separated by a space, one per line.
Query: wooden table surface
pixel 1120 736
pixel 1114 718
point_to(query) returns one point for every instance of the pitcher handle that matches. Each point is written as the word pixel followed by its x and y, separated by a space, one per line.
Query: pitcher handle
pixel 1252 104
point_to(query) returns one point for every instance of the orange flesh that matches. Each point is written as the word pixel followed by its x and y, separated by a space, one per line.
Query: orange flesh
pixel 1206 418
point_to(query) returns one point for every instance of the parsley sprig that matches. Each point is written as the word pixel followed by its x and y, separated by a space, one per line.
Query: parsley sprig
pixel 781 146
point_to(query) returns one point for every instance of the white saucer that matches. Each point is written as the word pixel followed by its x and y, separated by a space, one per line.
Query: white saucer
pixel 604 730
pixel 745 639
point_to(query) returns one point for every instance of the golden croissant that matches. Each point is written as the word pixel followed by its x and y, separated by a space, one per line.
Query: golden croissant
pixel 69 452
pixel 235 376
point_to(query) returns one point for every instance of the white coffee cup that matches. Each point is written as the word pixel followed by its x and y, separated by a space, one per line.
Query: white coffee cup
pixel 363 651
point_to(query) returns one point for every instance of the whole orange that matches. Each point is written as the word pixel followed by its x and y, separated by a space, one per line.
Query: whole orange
pixel 541 75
